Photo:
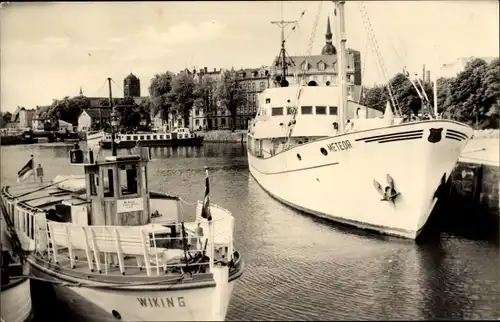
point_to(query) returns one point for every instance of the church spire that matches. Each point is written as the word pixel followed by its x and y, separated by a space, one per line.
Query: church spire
pixel 328 31
pixel 328 49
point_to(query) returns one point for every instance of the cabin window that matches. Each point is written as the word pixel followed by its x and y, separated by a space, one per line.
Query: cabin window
pixel 109 187
pixel 268 100
pixel 154 137
pixel 128 180
pixel 128 137
pixel 148 137
pixel 135 137
pixel 333 110
pixel 93 184
pixel 277 111
pixel 141 137
pixel 161 137
pixel 290 110
pixel 167 136
pixel 321 110
pixel 306 109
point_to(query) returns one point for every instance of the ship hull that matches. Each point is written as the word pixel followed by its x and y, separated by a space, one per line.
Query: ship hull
pixel 196 141
pixel 16 301
pixel 334 177
pixel 208 302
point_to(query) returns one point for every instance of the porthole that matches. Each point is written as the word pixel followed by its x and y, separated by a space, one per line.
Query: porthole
pixel 323 151
pixel 299 157
pixel 116 315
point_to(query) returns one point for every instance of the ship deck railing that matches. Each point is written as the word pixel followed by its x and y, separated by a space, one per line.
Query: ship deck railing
pixel 100 247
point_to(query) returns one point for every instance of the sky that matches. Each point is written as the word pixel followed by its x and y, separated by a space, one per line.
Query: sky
pixel 49 50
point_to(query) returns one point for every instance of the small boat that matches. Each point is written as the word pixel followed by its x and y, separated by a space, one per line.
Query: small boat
pixel 15 293
pixel 113 250
pixel 178 137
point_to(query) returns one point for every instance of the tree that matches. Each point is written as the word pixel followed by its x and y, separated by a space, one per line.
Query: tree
pixel 375 97
pixel 182 95
pixel 204 95
pixel 229 94
pixel 159 92
pixel 68 109
pixel 5 119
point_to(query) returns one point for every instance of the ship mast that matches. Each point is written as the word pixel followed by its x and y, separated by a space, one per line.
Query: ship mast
pixel 341 62
pixel 284 66
pixel 113 119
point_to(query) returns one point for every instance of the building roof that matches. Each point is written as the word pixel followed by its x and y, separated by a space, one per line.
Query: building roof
pixel 94 112
pixel 132 77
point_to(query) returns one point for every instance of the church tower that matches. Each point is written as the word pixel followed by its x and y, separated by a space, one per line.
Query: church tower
pixel 131 86
pixel 328 49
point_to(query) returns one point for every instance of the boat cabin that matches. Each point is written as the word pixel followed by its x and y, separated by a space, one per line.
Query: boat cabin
pixel 317 116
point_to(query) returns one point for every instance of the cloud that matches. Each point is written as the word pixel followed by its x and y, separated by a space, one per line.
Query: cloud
pixel 57 41
pixel 116 40
pixel 183 33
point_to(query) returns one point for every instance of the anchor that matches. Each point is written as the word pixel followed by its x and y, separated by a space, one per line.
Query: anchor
pixel 389 193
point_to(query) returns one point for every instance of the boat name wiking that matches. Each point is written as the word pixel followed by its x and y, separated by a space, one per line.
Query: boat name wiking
pixel 337 146
pixel 159 302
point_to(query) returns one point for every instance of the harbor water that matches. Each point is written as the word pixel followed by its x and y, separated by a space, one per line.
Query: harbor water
pixel 299 267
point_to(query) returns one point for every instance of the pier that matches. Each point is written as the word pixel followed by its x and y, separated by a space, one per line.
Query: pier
pixel 474 185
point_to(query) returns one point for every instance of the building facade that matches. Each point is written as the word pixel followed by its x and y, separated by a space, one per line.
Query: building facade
pixel 22 118
pixel 320 69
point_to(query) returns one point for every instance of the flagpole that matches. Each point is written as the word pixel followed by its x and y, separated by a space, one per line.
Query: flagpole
pixel 34 169
pixel 206 204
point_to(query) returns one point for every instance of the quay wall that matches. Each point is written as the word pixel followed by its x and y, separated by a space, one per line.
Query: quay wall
pixel 239 136
pixel 475 181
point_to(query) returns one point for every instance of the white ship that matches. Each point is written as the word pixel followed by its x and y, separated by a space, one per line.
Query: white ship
pixel 314 150
pixel 114 250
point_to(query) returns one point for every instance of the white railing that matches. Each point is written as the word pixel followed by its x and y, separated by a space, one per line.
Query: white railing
pixel 64 240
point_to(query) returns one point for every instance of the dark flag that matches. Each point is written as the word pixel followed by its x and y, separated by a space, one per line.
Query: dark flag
pixel 205 211
pixel 26 171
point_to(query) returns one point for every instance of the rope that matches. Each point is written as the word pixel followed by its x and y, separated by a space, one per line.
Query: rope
pixel 119 87
pixel 478 150
pixel 88 285
pixel 100 88
pixel 189 203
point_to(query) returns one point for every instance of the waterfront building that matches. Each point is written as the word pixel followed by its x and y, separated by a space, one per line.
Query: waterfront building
pixel 321 69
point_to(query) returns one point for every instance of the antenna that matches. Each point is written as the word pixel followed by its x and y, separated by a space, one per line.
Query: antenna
pixel 282 24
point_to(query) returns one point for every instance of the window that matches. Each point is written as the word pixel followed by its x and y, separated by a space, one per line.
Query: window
pixel 253 86
pixel 204 121
pixel 290 110
pixel 93 184
pixel 321 66
pixel 167 136
pixel 141 137
pixel 197 112
pixel 268 100
pixel 148 137
pixel 108 184
pixel 154 137
pixel 262 85
pixel 306 109
pixel 277 111
pixel 135 137
pixel 128 179
pixel 161 136
pixel 197 122
pixel 321 110
pixel 333 110
pixel 128 137
pixel 223 121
